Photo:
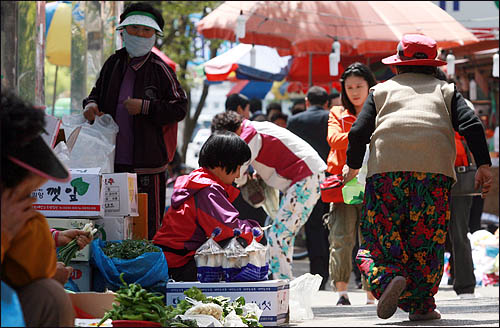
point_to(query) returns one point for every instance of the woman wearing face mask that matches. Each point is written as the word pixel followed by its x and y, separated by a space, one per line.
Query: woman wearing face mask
pixel 144 97
pixel 343 219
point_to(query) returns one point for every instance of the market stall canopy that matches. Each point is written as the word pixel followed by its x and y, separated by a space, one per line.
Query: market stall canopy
pixel 362 27
pixel 58 33
pixel 249 62
pixel 251 89
pixel 165 58
pixel 299 70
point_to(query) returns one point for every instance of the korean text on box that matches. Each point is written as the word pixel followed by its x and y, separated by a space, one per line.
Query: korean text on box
pixel 82 196
pixel 120 194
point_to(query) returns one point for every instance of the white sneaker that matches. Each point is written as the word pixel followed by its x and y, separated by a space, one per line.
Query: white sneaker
pixel 467 296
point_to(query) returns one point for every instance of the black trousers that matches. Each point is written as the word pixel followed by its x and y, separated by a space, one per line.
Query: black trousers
pixel 462 267
pixel 155 186
pixel 317 241
pixel 475 214
pixel 187 272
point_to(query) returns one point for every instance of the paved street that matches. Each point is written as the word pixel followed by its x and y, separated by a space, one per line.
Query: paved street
pixel 482 311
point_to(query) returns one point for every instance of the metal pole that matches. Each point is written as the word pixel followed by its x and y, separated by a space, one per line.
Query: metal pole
pixel 54 95
pixel 310 69
pixel 40 54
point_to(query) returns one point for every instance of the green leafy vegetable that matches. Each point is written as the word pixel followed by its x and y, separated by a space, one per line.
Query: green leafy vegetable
pixel 129 249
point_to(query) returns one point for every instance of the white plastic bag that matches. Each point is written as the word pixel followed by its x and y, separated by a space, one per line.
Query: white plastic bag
pixel 95 144
pixel 302 291
pixel 202 320
pixel 212 309
pixel 209 257
pixel 62 152
pixel 233 320
pixel 234 259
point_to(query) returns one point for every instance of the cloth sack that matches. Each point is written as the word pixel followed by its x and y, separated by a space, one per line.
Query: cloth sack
pixel 331 189
pixel 253 193
pixel 465 177
pixel 465 181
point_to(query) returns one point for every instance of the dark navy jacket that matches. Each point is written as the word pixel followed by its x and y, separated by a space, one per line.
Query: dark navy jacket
pixel 164 104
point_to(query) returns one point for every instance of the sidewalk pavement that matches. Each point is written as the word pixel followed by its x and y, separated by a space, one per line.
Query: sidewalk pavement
pixel 481 311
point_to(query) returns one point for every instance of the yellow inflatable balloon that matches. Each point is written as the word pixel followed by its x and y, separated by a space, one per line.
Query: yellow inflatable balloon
pixel 58 44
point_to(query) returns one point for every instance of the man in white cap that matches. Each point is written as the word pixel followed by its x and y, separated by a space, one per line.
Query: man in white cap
pixel 144 97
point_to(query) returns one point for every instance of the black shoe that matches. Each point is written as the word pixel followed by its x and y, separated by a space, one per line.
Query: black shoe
pixel 343 301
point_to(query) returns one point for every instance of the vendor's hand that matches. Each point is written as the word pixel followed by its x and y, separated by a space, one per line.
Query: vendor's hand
pixel 82 238
pixel 62 273
pixel 90 112
pixel 17 209
pixel 348 174
pixel 483 179
pixel 133 105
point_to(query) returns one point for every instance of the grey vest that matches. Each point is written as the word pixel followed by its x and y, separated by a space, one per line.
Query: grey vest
pixel 413 129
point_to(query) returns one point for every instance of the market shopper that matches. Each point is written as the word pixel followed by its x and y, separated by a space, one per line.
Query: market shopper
pixel 409 122
pixel 344 219
pixel 457 243
pixel 144 97
pixel 28 257
pixel 202 201
pixel 238 103
pixel 312 125
pixel 285 162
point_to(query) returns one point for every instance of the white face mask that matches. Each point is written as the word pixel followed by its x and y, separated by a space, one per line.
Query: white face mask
pixel 137 46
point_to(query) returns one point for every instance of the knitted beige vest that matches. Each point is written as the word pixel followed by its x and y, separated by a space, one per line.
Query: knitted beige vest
pixel 413 130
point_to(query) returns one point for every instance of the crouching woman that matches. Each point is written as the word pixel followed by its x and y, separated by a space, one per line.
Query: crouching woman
pixel 202 201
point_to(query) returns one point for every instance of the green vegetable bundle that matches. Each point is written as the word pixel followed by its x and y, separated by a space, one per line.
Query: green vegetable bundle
pixel 136 303
pixel 68 252
pixel 129 249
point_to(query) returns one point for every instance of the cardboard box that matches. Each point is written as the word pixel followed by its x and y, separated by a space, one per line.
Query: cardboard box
pixel 94 304
pixel 120 194
pixel 271 296
pixel 141 222
pixel 81 275
pixel 117 228
pixel 52 126
pixel 72 223
pixel 82 196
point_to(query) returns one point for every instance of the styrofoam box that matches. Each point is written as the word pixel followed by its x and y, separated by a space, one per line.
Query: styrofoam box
pixel 117 228
pixel 120 194
pixel 72 223
pixel 81 275
pixel 271 296
pixel 82 196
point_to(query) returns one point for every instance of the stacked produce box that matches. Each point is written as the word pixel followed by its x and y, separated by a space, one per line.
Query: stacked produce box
pixel 109 201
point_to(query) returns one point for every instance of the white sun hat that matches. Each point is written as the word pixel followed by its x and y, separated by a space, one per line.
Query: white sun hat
pixel 140 18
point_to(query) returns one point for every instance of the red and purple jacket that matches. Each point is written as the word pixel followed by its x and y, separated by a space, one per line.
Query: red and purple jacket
pixel 200 203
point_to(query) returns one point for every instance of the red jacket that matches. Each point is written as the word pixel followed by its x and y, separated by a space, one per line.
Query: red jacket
pixel 461 159
pixel 200 203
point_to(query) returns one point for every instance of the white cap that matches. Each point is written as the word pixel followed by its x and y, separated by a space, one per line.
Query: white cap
pixel 140 18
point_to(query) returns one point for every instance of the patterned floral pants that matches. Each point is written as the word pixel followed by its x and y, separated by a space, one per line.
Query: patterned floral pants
pixel 295 207
pixel 404 223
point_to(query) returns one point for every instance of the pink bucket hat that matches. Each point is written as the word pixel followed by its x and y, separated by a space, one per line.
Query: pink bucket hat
pixel 416 50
